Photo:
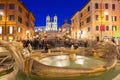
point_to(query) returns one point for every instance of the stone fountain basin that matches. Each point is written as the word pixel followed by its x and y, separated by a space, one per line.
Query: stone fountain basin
pixel 44 70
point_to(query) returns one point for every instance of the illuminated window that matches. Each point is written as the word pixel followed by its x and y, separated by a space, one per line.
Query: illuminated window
pixel 19 29
pixel 11 30
pixel 0 29
pixel 114 28
pixel 114 18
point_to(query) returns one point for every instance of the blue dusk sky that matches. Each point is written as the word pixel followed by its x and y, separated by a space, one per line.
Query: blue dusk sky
pixel 63 9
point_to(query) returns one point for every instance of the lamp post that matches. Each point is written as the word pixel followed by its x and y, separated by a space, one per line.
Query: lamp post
pixel 1 14
pixel 102 26
pixel 5 30
pixel 27 34
pixel 101 20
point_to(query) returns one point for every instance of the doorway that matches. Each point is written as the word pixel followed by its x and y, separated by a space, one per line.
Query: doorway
pixel 97 38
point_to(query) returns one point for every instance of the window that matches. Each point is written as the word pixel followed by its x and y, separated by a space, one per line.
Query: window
pixel 11 17
pixel 81 32
pixel 107 28
pixel 0 29
pixel 11 6
pixel 0 17
pixel 19 19
pixel 96 6
pixel 96 17
pixel 11 30
pixel 88 8
pixel 81 14
pixel 88 28
pixel 2 6
pixel 20 9
pixel 114 28
pixel 19 29
pixel 72 21
pixel 27 15
pixel 106 17
pixel 97 28
pixel 88 19
pixel 106 6
pixel 26 23
pixel 82 23
pixel 113 6
pixel 114 18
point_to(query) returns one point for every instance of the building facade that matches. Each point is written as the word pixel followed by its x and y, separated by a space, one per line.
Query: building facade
pixel 39 29
pixel 51 25
pixel 97 20
pixel 66 29
pixel 16 22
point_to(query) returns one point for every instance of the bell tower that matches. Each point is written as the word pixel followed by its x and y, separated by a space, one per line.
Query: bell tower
pixel 51 25
pixel 48 23
pixel 55 23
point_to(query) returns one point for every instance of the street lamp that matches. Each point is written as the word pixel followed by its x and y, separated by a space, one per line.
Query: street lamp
pixel 27 33
pixel 1 13
pixel 102 26
pixel 106 13
pixel 101 20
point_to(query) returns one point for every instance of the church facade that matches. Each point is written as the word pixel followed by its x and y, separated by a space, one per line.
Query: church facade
pixel 51 25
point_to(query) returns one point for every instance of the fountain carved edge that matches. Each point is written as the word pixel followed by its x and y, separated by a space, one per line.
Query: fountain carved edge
pixel 42 70
pixel 106 50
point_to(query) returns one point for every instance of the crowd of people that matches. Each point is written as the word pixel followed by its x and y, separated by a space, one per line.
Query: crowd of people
pixel 41 43
pixel 38 43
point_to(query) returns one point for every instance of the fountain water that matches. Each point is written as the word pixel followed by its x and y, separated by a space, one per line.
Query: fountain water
pixel 65 61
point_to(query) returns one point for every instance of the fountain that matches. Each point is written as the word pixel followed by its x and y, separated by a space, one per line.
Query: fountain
pixel 67 63
pixel 72 54
pixel 61 66
pixel 71 63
